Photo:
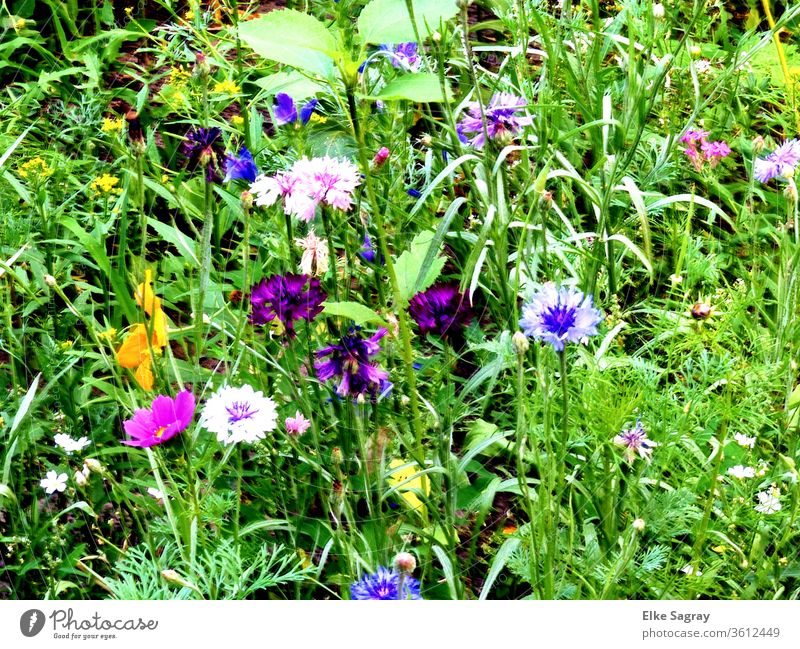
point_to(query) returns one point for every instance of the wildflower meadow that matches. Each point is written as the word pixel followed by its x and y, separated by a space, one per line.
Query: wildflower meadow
pixel 399 300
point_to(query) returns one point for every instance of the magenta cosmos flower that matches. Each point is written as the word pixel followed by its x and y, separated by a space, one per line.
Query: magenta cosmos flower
pixel 165 418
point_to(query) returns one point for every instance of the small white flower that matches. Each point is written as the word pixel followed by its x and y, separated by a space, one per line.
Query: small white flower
pixel 70 445
pixel 54 482
pixel 769 501
pixel 740 471
pixel 155 493
pixel 744 440
pixel 239 415
pixel 81 479
pixel 688 569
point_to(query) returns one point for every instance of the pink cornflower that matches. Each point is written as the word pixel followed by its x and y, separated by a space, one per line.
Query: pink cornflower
pixel 165 418
pixel 297 425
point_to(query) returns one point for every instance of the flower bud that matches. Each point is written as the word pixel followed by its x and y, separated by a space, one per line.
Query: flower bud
pixel 80 479
pixel 520 342
pixel 247 200
pixel 50 280
pixel 381 156
pixel 695 51
pixel 758 144
pixel 701 310
pixel 93 465
pixel 337 459
pixel 405 563
pixel 658 11
pixel 639 524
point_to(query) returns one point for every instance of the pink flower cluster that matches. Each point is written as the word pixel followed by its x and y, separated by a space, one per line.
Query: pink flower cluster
pixel 711 152
pixel 308 183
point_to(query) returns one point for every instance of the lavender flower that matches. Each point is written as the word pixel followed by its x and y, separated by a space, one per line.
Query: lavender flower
pixel 440 310
pixel 781 162
pixel 403 55
pixel 385 584
pixel 288 298
pixel 635 441
pixel 202 147
pixel 560 315
pixel 286 110
pixel 349 362
pixel 501 116
pixel 241 168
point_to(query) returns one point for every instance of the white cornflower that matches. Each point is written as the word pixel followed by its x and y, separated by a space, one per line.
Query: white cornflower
pixel 155 493
pixel 315 255
pixel 689 569
pixel 239 415
pixel 769 501
pixel 740 471
pixel 744 440
pixel 54 482
pixel 70 445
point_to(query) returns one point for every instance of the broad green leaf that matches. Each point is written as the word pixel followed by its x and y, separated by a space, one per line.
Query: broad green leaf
pixel 420 87
pixel 294 38
pixel 25 405
pixel 292 83
pixel 388 21
pixel 408 264
pixel 186 247
pixel 356 312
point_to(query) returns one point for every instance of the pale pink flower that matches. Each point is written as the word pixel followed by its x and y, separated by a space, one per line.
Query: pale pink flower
pixel 315 254
pixel 297 425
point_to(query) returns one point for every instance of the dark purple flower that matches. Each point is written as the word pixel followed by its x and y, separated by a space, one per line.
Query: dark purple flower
pixel 385 584
pixel 241 168
pixel 165 418
pixel 349 362
pixel 440 310
pixel 288 298
pixel 203 148
pixel 286 110
pixel 367 251
pixel 501 116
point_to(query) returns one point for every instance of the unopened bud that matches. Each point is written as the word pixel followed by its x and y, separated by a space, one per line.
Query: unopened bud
pixel 695 51
pixel 639 524
pixel 658 11
pixel 336 456
pixel 381 156
pixel 201 67
pixel 247 200
pixel 701 310
pixel 758 144
pixel 80 479
pixel 50 280
pixel 520 342
pixel 93 465
pixel 405 563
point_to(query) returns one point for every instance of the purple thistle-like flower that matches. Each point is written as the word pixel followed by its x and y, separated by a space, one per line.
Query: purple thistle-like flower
pixel 385 584
pixel 501 119
pixel 285 110
pixel 781 162
pixel 241 168
pixel 288 298
pixel 440 310
pixel 165 418
pixel 203 148
pixel 349 362
pixel 557 316
pixel 635 441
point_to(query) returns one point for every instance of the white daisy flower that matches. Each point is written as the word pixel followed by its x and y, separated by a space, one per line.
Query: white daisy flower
pixel 744 440
pixel 54 482
pixel 769 501
pixel 740 471
pixel 70 445
pixel 239 415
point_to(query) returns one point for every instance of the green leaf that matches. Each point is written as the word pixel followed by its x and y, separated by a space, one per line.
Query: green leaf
pixel 388 21
pixel 294 38
pixel 408 265
pixel 186 247
pixel 354 311
pixel 292 83
pixel 420 87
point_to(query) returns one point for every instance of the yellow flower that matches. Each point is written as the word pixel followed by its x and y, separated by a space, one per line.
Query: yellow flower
pixel 188 15
pixel 112 125
pixel 179 76
pixel 318 118
pixel 106 184
pixel 66 344
pixel 108 334
pixel 237 120
pixel 414 485
pixel 227 87
pixel 35 168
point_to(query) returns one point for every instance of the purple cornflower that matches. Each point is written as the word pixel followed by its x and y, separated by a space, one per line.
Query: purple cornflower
pixel 349 362
pixel 203 148
pixel 285 110
pixel 165 418
pixel 403 55
pixel 502 120
pixel 241 168
pixel 635 441
pixel 781 162
pixel 561 315
pixel 385 584
pixel 440 310
pixel 367 251
pixel 288 298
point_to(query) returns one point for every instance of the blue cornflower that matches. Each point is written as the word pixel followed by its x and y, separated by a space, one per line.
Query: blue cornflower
pixel 385 584
pixel 241 168
pixel 368 253
pixel 561 315
pixel 202 148
pixel 286 110
pixel 781 162
pixel 349 362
